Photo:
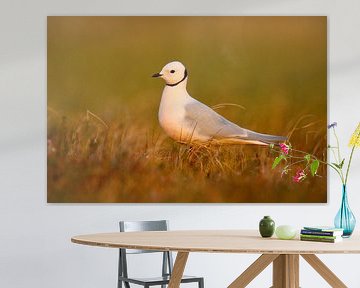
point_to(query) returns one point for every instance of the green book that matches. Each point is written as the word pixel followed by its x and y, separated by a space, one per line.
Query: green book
pixel 319 236
pixel 325 240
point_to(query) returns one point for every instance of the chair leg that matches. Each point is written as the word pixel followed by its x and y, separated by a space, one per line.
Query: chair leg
pixel 119 270
pixel 201 283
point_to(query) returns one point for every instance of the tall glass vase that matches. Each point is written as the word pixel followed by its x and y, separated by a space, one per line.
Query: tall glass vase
pixel 345 219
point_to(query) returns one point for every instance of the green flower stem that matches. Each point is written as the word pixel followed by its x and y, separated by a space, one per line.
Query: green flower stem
pixel 292 164
pixel 350 159
pixel 339 160
pixel 338 166
pixel 336 169
pixel 337 144
pixel 348 166
pixel 339 171
pixel 333 152
pixel 302 152
pixel 314 158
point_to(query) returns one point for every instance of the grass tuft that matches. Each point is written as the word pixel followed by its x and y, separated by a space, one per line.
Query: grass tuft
pixel 90 160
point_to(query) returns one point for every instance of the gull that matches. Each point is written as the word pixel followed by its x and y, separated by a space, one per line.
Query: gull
pixel 187 120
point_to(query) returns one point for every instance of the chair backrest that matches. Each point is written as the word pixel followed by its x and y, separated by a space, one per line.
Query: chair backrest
pixel 138 226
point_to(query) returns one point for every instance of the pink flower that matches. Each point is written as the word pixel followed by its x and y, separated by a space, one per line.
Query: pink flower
pixel 299 176
pixel 284 148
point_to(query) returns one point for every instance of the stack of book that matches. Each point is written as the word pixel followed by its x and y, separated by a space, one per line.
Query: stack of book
pixel 321 234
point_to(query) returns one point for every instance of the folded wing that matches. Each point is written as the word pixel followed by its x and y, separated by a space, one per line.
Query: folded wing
pixel 208 123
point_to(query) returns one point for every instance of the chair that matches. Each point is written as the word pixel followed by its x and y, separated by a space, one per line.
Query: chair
pixel 167 262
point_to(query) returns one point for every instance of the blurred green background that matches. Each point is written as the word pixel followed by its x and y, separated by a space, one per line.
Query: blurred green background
pixel 273 66
pixel 276 67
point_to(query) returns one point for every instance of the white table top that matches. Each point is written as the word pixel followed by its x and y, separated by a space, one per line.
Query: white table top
pixel 217 241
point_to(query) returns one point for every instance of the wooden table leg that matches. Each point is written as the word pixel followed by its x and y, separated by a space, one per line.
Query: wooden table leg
pixel 286 271
pixel 178 269
pixel 253 270
pixel 293 264
pixel 324 271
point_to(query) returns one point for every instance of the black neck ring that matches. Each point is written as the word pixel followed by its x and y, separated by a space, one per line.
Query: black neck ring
pixel 185 75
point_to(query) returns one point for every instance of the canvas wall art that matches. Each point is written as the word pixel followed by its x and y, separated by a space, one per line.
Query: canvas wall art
pixel 184 109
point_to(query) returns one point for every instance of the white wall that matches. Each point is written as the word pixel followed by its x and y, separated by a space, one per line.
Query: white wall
pixel 35 248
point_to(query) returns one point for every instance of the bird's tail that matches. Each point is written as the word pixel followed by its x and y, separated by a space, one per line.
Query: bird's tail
pixel 266 138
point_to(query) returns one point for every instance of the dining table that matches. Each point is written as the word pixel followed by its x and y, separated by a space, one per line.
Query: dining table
pixel 282 254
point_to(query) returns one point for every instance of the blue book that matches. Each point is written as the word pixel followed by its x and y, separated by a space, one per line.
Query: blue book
pixel 322 231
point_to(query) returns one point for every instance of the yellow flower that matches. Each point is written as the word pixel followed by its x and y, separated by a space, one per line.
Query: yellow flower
pixel 355 138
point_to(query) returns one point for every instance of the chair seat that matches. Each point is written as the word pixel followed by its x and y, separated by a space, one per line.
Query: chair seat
pixel 158 280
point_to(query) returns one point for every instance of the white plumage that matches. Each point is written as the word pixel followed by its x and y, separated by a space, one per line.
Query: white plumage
pixel 187 120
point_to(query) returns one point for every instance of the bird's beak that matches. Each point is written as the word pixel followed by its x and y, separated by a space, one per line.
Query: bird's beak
pixel 157 75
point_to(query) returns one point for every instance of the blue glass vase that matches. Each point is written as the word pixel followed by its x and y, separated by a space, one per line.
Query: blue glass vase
pixel 345 219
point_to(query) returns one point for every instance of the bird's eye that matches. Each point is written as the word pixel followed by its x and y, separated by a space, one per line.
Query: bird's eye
pixel 172 71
